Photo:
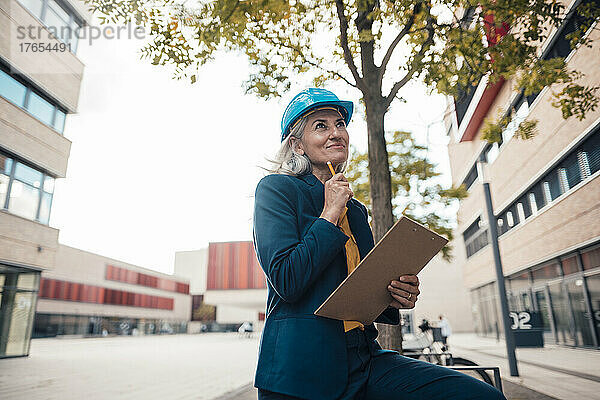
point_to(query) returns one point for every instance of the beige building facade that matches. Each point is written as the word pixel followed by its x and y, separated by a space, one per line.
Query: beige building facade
pixel 546 202
pixel 40 76
pixel 89 294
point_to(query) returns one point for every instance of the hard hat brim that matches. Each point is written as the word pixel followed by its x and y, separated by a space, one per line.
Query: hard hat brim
pixel 346 108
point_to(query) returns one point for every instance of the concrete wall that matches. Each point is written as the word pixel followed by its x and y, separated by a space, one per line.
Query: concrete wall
pixel 27 242
pixel 32 140
pixel 192 265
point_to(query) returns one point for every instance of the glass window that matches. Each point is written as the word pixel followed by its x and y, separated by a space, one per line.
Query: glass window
pixel 545 273
pixel 502 224
pixel 5 164
pixel 471 177
pixel 553 184
pixel 28 175
pixel 592 149
pixel 591 258
pixel 570 265
pixel 48 184
pixel 76 27
pixel 519 282
pixel 41 109
pixel 583 330
pixel 45 206
pixel 11 89
pixel 57 20
pixel 59 121
pixel 538 192
pixel 28 281
pixel 509 218
pixel 3 189
pixel 520 211
pixel 525 206
pixel 21 317
pixel 492 153
pixel 561 311
pixel 572 171
pixel 593 284
pixel 34 6
pixel 23 200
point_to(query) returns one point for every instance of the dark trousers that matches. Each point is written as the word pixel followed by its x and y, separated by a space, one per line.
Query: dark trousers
pixel 391 376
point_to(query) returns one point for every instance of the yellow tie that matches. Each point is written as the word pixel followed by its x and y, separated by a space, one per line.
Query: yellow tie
pixel 352 259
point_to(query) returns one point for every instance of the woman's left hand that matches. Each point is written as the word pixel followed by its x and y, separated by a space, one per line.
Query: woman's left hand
pixel 404 291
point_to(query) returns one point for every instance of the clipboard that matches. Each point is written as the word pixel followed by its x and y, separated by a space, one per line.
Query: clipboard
pixel 405 249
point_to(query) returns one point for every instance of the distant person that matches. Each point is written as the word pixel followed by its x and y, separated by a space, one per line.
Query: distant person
pixel 446 328
pixel 309 233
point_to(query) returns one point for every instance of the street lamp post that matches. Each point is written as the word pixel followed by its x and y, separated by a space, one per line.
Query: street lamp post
pixel 493 229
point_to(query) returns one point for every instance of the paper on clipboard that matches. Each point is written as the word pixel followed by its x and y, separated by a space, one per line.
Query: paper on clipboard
pixel 405 249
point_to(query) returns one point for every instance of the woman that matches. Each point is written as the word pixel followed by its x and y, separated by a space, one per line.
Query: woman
pixel 309 233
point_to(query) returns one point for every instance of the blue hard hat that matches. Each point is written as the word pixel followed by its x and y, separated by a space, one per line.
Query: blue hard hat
pixel 309 99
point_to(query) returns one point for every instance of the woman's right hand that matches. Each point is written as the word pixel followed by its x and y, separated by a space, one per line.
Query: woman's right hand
pixel 337 194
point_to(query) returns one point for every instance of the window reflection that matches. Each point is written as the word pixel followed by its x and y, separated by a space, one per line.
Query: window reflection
pixel 41 109
pixel 45 208
pixel 28 175
pixel 30 190
pixel 23 200
pixel 11 89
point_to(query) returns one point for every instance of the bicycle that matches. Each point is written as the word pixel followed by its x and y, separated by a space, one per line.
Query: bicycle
pixel 428 346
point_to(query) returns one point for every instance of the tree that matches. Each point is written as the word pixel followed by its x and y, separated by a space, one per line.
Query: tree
pixel 375 46
pixel 415 193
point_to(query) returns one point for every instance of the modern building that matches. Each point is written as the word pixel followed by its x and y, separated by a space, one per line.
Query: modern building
pixel 38 88
pixel 546 201
pixel 192 265
pixel 235 284
pixel 88 294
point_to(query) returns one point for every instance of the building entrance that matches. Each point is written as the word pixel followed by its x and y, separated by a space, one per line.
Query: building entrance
pixel 18 295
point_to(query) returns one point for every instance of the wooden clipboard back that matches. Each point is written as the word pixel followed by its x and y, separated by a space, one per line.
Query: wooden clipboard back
pixel 405 249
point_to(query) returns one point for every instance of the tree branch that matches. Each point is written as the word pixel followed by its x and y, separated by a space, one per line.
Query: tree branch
pixel 416 60
pixel 306 60
pixel 401 34
pixel 344 42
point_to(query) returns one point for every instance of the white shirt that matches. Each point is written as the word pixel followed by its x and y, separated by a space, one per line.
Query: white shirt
pixel 445 325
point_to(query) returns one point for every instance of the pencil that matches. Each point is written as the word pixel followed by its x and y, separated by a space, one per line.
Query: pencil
pixel 330 168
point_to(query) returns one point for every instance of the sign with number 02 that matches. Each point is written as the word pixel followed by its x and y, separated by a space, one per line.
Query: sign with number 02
pixel 520 320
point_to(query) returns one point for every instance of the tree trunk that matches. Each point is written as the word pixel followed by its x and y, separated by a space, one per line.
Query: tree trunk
pixel 380 180
pixel 380 183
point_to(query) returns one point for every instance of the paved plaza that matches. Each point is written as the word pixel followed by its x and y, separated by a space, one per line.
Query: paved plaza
pixel 220 366
pixel 557 371
pixel 171 367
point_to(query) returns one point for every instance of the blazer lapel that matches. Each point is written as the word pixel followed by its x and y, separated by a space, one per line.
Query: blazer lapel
pixel 316 192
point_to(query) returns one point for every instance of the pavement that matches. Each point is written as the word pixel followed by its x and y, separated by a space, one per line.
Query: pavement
pixel 557 371
pixel 166 367
pixel 220 366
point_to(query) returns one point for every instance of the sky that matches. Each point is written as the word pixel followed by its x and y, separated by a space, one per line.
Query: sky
pixel 159 165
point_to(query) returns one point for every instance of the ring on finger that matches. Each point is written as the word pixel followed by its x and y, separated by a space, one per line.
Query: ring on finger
pixel 409 296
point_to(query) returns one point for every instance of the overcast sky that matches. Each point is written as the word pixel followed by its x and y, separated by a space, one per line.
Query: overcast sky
pixel 159 165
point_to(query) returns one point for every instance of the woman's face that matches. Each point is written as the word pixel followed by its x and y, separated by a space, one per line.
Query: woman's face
pixel 325 138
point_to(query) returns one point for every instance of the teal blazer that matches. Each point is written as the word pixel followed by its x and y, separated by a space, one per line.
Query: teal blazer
pixel 303 257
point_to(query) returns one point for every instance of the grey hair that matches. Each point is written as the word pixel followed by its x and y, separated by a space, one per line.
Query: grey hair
pixel 288 161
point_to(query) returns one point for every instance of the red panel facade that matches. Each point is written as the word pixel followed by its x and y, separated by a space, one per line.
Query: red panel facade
pixel 233 265
pixel 70 291
pixel 137 278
